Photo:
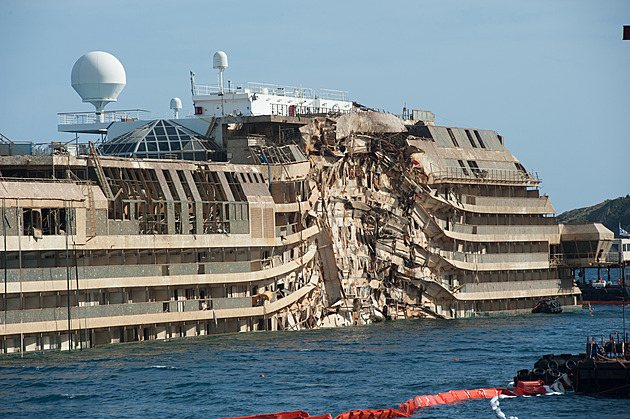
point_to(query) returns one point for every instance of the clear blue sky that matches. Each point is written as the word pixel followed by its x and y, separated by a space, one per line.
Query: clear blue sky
pixel 552 77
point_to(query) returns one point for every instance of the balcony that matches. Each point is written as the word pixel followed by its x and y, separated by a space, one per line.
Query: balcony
pixel 78 118
pixel 274 90
pixel 466 175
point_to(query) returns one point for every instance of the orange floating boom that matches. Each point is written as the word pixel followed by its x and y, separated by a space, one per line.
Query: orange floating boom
pixel 408 408
pixel 285 415
pixel 453 396
pixel 373 414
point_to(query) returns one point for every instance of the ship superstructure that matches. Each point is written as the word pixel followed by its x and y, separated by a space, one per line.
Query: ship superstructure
pixel 269 209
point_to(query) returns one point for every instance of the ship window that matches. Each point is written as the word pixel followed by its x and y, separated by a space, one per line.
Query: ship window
pixel 463 167
pixel 470 138
pixel 151 146
pixel 450 133
pixel 142 147
pixel 159 130
pixel 176 145
pixel 250 178
pixel 474 167
pixel 520 168
pixel 235 187
pixel 163 145
pixel 479 139
pixel 31 220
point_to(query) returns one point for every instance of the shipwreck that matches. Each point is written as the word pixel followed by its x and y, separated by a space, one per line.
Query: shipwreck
pixel 269 208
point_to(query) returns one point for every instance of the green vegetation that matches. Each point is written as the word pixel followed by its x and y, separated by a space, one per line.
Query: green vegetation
pixel 609 213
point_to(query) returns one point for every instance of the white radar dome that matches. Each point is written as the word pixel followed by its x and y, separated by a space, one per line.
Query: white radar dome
pixel 98 77
pixel 219 61
pixel 176 105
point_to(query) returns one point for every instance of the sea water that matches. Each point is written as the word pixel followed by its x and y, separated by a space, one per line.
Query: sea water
pixel 318 371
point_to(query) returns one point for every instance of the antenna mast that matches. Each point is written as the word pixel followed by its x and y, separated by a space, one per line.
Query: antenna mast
pixel 220 62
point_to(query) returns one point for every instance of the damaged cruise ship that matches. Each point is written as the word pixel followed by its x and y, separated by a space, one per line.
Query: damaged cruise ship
pixel 271 208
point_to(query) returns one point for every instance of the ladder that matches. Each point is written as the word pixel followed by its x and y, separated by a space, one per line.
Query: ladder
pixel 211 125
pixel 99 172
pixel 92 232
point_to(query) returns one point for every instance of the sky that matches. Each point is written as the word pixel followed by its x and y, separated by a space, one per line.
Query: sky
pixel 551 76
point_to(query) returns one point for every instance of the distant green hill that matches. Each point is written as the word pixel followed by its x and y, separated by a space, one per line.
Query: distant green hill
pixel 609 213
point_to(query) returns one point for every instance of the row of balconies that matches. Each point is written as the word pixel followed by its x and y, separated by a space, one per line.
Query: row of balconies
pixel 111 310
pixel 503 230
pixel 494 257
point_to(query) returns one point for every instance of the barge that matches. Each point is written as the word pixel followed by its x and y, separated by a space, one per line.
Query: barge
pixel 603 370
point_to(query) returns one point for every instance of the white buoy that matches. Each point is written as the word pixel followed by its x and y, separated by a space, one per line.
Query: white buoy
pixel 98 77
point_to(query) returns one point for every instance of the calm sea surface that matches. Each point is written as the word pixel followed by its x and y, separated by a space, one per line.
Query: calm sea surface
pixel 321 371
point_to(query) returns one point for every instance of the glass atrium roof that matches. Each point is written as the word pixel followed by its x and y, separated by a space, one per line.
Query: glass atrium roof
pixel 163 139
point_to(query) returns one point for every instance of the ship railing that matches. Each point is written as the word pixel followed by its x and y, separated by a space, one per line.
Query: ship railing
pixel 460 173
pixel 613 257
pixel 5 139
pixel 27 148
pixel 46 180
pixel 417 115
pixel 76 118
pixel 273 89
pixel 585 259
pixel 494 257
pixel 20 148
pixel 298 110
pixel 287 229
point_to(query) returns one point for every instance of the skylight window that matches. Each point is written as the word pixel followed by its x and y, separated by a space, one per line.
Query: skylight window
pixel 163 139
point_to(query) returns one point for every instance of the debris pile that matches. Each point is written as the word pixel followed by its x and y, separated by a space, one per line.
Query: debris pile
pixel 369 181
